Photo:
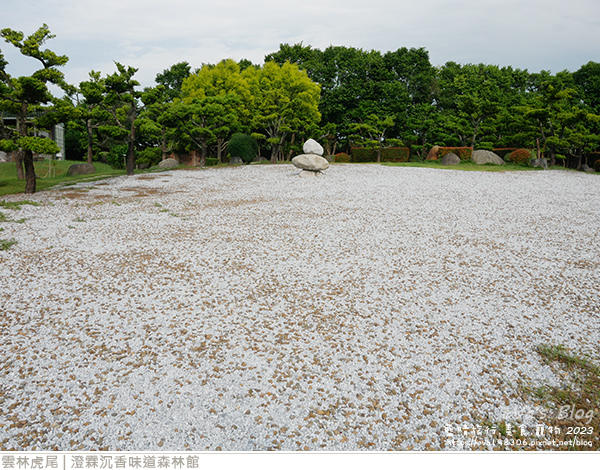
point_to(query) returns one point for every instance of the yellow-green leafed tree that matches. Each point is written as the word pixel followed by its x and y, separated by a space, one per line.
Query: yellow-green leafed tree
pixel 286 101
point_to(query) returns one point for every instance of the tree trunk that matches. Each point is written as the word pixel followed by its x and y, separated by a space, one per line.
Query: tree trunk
pixel 90 141
pixel 30 182
pixel 30 178
pixel 163 146
pixel 203 154
pixel 131 152
pixel 18 156
pixel 552 156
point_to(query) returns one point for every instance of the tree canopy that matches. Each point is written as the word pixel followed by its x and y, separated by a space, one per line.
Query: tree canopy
pixel 342 96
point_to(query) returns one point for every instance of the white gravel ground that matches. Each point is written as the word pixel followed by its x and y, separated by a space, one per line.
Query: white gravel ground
pixel 239 309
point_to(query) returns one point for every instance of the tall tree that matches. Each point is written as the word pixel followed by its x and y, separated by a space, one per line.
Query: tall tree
pixel 121 100
pixel 172 79
pixel 285 102
pixel 90 113
pixel 23 95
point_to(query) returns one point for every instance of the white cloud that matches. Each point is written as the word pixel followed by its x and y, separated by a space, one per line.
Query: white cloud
pixel 152 35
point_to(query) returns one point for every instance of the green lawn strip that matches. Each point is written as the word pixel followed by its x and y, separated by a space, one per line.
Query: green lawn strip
pixel 467 166
pixel 10 184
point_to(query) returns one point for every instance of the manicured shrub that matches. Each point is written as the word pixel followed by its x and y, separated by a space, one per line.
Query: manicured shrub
pixel 395 154
pixel 243 146
pixel 116 156
pixel 212 161
pixel 520 156
pixel 503 153
pixel 390 154
pixel 342 157
pixel 464 153
pixel 363 155
pixel 150 156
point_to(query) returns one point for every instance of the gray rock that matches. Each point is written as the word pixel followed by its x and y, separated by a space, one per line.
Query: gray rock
pixel 481 157
pixel 168 163
pixel 540 163
pixel 310 162
pixel 81 169
pixel 310 173
pixel 450 159
pixel 236 161
pixel 311 146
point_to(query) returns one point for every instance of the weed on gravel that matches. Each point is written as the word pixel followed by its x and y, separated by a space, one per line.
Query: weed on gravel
pixel 576 400
pixel 6 244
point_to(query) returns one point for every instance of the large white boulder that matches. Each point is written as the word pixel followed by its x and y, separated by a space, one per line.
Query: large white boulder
pixel 481 157
pixel 311 146
pixel 310 162
pixel 169 163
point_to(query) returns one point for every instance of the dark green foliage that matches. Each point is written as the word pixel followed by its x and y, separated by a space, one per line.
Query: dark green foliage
pixel 485 146
pixel 74 144
pixel 243 146
pixel 150 156
pixel 212 161
pixel 116 156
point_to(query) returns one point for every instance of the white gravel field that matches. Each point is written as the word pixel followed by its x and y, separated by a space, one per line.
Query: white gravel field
pixel 245 308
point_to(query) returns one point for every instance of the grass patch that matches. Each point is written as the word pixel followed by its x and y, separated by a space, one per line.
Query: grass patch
pixel 10 184
pixel 16 205
pixel 6 244
pixel 576 401
pixel 465 166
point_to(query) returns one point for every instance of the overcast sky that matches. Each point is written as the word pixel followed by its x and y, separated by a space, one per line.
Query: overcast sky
pixel 152 35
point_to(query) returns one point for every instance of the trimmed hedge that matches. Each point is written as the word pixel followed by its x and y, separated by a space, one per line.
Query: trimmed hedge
pixel 392 154
pixel 520 156
pixel 342 158
pixel 464 153
pixel 503 152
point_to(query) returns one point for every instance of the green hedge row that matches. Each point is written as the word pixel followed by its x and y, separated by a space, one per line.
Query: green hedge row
pixel 392 154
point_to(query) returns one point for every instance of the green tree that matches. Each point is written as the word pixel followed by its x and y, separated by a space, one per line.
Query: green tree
pixel 172 79
pixel 154 122
pixel 372 133
pixel 90 114
pixel 202 121
pixel 25 95
pixel 121 100
pixel 285 102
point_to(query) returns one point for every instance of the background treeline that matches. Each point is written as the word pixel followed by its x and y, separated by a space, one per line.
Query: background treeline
pixel 341 96
pixel 346 97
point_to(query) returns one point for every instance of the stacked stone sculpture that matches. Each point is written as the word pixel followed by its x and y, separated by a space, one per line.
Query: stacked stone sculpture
pixel 311 162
